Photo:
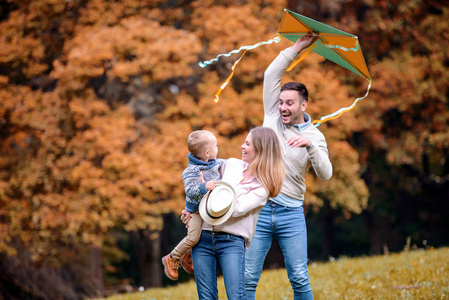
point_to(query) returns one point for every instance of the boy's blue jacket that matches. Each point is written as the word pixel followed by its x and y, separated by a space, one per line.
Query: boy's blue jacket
pixel 194 188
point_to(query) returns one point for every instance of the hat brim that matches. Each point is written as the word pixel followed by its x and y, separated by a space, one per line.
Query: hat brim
pixel 208 196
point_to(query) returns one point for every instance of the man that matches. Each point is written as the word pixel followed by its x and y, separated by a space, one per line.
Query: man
pixel 303 146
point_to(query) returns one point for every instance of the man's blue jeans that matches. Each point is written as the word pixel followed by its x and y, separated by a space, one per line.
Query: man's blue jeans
pixel 288 226
pixel 222 249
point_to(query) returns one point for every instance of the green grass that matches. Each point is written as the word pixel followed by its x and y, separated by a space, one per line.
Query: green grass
pixel 419 274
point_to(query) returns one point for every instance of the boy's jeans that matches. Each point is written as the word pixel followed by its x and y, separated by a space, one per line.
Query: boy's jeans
pixel 289 227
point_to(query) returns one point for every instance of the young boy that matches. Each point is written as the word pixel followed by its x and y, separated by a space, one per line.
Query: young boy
pixel 199 177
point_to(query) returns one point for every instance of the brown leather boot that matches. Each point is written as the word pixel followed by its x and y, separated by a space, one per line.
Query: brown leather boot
pixel 187 263
pixel 171 265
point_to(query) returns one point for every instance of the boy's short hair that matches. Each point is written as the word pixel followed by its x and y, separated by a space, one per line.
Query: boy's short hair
pixel 198 140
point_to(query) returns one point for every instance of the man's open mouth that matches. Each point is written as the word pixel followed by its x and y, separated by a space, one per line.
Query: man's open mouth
pixel 285 116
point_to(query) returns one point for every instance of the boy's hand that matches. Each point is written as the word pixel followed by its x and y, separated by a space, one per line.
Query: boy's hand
pixel 210 185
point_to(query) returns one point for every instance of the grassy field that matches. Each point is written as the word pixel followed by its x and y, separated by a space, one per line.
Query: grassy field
pixel 418 274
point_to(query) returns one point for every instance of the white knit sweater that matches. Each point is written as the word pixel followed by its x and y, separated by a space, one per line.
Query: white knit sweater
pixel 297 160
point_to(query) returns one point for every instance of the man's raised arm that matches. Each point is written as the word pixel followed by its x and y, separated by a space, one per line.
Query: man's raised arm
pixel 273 74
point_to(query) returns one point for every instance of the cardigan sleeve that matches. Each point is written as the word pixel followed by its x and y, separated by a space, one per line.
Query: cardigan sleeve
pixel 246 203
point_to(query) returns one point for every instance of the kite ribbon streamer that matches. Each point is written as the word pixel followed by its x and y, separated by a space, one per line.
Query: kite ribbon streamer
pixel 209 62
pixel 301 58
pixel 341 110
pixel 246 48
pixel 228 79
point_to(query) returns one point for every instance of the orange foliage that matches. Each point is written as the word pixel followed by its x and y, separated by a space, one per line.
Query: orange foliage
pixel 135 46
pixel 78 164
pixel 97 102
pixel 346 190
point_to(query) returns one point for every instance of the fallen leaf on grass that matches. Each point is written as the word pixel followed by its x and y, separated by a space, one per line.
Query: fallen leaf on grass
pixel 405 287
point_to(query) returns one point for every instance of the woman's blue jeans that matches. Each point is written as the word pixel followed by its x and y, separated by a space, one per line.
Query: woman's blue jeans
pixel 219 249
pixel 288 226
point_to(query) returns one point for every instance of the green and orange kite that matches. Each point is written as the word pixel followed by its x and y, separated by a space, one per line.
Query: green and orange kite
pixel 336 45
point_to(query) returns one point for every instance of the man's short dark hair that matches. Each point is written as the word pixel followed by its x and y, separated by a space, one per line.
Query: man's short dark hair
pixel 296 86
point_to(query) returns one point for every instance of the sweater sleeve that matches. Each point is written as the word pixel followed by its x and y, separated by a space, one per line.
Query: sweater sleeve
pixel 272 81
pixel 192 181
pixel 319 157
pixel 194 189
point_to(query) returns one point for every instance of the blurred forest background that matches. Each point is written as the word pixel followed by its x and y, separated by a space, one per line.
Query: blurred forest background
pixel 98 97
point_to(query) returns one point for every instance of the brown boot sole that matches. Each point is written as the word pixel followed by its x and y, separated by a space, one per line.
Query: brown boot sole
pixel 185 269
pixel 166 273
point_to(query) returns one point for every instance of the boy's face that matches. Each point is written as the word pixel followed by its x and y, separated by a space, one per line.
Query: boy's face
pixel 211 150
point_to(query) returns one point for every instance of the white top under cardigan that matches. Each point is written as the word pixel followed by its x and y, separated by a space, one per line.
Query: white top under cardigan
pixel 251 198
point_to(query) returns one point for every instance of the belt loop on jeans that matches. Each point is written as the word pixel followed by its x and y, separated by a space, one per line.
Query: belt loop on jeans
pixel 214 232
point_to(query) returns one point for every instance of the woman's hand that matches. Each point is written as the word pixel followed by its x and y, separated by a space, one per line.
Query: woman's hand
pixel 185 217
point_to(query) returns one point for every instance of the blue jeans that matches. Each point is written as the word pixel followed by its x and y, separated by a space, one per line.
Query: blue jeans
pixel 288 225
pixel 219 249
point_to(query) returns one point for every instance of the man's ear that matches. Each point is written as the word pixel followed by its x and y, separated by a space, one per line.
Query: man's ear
pixel 304 105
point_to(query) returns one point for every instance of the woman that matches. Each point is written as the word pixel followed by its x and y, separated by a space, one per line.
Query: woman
pixel 255 178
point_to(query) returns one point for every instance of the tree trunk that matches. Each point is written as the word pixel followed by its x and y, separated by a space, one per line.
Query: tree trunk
pixel 146 245
pixel 96 271
pixel 374 233
pixel 328 230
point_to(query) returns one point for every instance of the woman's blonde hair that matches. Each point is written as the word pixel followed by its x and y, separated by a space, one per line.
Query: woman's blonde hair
pixel 268 166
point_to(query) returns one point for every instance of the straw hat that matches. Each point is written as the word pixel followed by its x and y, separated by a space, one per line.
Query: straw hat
pixel 218 205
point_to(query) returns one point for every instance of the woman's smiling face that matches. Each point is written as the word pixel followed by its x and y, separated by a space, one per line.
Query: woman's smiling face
pixel 248 150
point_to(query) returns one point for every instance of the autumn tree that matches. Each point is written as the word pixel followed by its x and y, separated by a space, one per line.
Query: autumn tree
pixel 98 98
pixel 81 151
pixel 409 126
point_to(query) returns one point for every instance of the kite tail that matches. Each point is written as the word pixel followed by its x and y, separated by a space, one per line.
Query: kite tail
pixel 300 58
pixel 246 48
pixel 339 112
pixel 209 62
pixel 228 79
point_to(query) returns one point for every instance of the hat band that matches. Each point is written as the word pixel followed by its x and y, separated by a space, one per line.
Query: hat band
pixel 213 217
